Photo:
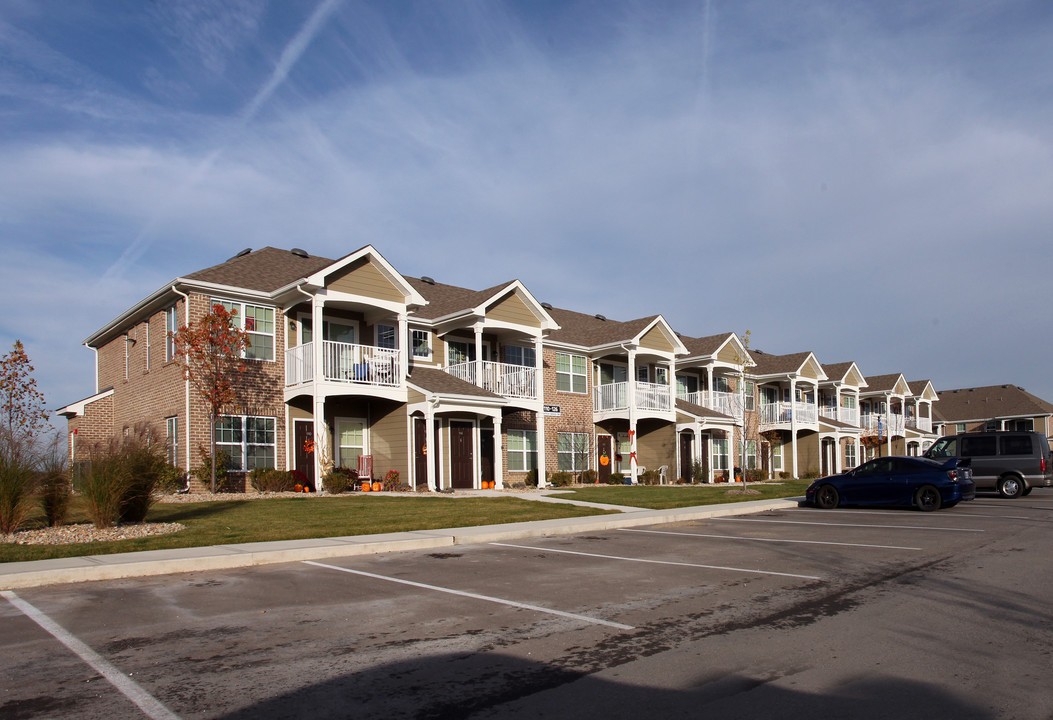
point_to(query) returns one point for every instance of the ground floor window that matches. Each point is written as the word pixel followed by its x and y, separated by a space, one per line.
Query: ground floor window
pixel 776 456
pixel 172 441
pixel 248 441
pixel 720 453
pixel 572 450
pixel 751 454
pixel 623 454
pixel 522 450
pixel 350 442
pixel 850 454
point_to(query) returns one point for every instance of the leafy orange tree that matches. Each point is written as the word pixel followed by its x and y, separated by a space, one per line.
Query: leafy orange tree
pixel 210 353
pixel 22 403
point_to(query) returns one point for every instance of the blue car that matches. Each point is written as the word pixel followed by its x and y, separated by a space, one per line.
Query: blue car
pixel 908 481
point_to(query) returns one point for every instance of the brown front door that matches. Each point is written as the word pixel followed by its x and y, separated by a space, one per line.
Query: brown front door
pixel 687 459
pixel 461 455
pixel 486 455
pixel 604 451
pixel 420 451
pixel 303 461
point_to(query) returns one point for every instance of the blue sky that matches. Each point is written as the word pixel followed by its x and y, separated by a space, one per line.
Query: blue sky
pixel 871 181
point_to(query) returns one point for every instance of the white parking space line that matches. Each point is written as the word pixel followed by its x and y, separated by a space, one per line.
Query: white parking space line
pixel 146 702
pixel 943 516
pixel 474 596
pixel 771 540
pixel 661 562
pixel 858 525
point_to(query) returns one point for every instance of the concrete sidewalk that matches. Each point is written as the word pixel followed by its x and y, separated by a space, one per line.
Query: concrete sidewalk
pixel 221 557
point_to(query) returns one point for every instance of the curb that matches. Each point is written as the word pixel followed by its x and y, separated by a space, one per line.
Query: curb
pixel 120 566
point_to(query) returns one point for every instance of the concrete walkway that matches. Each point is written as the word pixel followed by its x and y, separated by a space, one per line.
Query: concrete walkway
pixel 221 557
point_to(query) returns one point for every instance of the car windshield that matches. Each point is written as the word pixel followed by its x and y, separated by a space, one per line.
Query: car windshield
pixel 946 447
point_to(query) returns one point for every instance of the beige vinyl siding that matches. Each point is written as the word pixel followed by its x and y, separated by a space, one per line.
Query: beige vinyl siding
pixel 729 354
pixel 388 441
pixel 655 339
pixel 512 309
pixel 363 278
pixel 656 445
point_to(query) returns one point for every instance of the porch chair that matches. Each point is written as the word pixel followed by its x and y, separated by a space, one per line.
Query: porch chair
pixel 661 474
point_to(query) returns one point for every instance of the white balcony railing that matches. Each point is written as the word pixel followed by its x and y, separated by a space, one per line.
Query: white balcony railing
pixel 920 423
pixel 514 381
pixel 647 396
pixel 723 402
pixel 890 424
pixel 849 416
pixel 344 362
pixel 779 413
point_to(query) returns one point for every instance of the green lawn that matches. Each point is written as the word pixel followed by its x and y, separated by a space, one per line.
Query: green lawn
pixel 221 522
pixel 675 496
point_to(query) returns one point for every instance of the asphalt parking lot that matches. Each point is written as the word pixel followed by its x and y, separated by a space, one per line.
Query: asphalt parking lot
pixel 787 612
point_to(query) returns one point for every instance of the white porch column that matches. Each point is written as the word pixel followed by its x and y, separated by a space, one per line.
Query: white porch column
pixel 321 437
pixel 478 369
pixel 432 452
pixel 633 462
pixel 888 430
pixel 539 371
pixel 793 423
pixel 499 470
pixel 697 454
pixel 406 345
pixel 542 461
pixel 709 388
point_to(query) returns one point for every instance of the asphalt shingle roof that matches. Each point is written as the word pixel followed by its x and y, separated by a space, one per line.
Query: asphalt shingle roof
pixel 264 270
pixel 443 383
pixel 774 364
pixel 983 403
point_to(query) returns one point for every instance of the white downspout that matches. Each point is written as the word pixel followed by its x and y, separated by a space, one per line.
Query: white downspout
pixel 186 380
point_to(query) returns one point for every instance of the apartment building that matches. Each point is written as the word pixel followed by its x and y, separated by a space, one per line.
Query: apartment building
pixel 453 387
pixel 994 407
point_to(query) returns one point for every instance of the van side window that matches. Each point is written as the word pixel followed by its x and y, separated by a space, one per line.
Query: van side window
pixel 980 446
pixel 1015 445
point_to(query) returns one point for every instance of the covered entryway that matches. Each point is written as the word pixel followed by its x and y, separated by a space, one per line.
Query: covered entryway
pixel 303 452
pixel 687 457
pixel 462 455
pixel 605 457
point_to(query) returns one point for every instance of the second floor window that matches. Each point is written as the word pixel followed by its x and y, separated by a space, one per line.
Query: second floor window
pixel 750 392
pixel 170 327
pixel 386 337
pixel 421 343
pixel 524 356
pixel 258 322
pixel 571 373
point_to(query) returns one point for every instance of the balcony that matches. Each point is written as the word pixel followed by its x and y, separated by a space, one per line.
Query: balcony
pixel 784 413
pixel 722 402
pixel 849 416
pixel 923 424
pixel 892 424
pixel 344 363
pixel 511 381
pixel 648 397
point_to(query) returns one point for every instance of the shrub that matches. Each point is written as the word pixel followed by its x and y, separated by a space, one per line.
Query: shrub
pixel 650 477
pixel 122 476
pixel 616 479
pixel 699 471
pixel 17 485
pixel 271 480
pixel 55 491
pixel 810 474
pixel 756 475
pixel 531 478
pixel 587 477
pixel 339 480
pixel 560 479
pixel 203 472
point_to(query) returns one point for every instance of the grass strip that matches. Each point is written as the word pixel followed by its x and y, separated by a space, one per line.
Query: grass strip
pixel 665 497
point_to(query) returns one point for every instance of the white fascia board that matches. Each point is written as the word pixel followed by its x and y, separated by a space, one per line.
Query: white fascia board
pixel 678 346
pixel 387 269
pixel 518 288
pixel 748 360
pixel 76 409
pixel 445 400
pixel 124 318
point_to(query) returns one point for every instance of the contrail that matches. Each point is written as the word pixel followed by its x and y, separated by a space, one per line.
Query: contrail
pixel 289 57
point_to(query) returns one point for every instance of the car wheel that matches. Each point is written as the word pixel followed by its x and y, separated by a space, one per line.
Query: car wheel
pixel 928 498
pixel 827 497
pixel 1010 486
pixel 1027 490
